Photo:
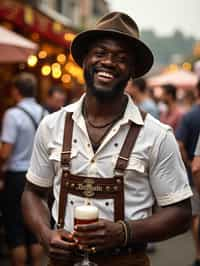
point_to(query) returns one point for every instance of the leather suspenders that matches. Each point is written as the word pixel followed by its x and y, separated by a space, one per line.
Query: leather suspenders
pixel 93 187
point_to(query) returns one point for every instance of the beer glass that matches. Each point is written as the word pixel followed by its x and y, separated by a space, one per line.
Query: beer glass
pixel 85 214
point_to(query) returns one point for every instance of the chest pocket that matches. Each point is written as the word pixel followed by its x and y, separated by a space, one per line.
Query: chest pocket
pixel 55 156
pixel 137 165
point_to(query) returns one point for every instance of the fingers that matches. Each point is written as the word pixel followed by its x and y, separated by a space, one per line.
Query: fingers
pixel 90 227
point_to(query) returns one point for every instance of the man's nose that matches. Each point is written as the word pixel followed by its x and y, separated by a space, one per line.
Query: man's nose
pixel 109 59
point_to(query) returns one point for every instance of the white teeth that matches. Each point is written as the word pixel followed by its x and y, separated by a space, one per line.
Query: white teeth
pixel 105 74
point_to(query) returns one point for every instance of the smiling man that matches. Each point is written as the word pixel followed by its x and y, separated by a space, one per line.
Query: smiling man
pixel 103 148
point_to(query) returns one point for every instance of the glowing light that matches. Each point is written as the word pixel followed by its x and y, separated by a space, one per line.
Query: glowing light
pixel 46 70
pixel 57 27
pixel 42 54
pixel 187 66
pixel 61 58
pixel 69 37
pixel 56 73
pixel 32 60
pixel 173 67
pixel 66 78
pixel 56 66
pixel 35 36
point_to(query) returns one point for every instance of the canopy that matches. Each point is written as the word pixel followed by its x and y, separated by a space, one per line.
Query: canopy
pixel 181 79
pixel 14 48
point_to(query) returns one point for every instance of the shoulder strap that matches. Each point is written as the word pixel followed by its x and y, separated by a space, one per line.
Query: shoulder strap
pixel 128 145
pixel 67 141
pixel 29 115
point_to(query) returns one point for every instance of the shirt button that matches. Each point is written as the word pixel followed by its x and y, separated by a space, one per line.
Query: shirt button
pixel 88 145
pixel 71 202
pixel 107 203
pixel 75 140
pixel 116 144
pixel 93 161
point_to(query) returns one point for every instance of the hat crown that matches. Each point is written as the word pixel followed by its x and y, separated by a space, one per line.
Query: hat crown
pixel 120 22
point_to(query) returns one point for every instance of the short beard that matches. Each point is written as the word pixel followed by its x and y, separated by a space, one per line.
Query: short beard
pixel 103 95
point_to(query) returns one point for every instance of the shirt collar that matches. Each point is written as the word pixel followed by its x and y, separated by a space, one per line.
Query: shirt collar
pixel 132 112
pixel 26 100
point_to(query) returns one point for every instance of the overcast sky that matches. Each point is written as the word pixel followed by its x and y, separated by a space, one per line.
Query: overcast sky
pixel 164 16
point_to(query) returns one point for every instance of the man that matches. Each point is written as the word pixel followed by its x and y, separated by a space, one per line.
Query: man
pixel 56 98
pixel 99 163
pixel 139 92
pixel 18 130
pixel 187 135
pixel 172 116
pixel 196 166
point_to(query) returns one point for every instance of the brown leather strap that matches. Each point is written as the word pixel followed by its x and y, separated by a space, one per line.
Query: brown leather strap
pixel 67 141
pixel 98 188
pixel 128 145
pixel 65 164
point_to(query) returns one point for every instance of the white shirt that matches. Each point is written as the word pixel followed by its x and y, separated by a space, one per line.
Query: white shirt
pixel 18 129
pixel 155 171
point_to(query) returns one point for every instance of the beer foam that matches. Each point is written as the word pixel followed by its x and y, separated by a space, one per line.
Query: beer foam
pixel 86 212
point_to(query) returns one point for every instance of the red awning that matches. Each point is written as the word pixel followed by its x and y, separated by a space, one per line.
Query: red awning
pixel 32 20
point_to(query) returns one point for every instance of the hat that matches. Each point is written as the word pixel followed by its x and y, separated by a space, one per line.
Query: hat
pixel 116 25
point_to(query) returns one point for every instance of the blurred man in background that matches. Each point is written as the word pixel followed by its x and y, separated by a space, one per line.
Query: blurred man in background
pixel 172 116
pixel 187 135
pixel 56 98
pixel 18 130
pixel 138 91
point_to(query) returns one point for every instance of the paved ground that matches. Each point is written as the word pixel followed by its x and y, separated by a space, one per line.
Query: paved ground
pixel 178 251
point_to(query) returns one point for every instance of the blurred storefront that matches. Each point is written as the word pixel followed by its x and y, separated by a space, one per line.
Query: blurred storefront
pixel 52 63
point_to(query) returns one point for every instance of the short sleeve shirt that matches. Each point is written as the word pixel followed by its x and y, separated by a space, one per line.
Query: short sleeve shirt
pixel 155 171
pixel 18 130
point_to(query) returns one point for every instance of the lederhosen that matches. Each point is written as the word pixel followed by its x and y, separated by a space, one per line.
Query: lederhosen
pixel 100 188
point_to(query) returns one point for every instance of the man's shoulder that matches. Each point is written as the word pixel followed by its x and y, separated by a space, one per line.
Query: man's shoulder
pixel 54 119
pixel 153 127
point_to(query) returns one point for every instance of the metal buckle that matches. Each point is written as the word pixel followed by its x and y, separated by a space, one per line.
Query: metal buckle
pixel 123 158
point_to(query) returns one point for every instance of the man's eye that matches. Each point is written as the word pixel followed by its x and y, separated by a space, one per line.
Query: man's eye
pixel 99 53
pixel 122 59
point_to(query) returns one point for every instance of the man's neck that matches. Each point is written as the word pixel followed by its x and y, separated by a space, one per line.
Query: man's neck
pixel 98 109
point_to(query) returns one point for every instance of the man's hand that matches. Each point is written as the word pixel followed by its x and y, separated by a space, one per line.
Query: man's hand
pixel 59 244
pixel 101 235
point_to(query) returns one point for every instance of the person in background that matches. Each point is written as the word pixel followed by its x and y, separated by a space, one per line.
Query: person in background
pixel 18 131
pixel 196 68
pixel 138 91
pixel 104 148
pixel 172 116
pixel 187 136
pixel 56 98
pixel 196 202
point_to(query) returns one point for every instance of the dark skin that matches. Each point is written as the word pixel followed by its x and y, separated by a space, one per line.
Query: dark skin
pixel 104 99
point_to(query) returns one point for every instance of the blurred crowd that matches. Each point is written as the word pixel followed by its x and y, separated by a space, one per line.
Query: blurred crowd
pixel 180 111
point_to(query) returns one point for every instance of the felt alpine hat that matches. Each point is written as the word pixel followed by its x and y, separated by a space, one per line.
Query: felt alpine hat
pixel 115 25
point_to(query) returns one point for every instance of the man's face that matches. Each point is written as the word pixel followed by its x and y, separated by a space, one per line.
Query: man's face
pixel 165 97
pixel 57 100
pixel 107 67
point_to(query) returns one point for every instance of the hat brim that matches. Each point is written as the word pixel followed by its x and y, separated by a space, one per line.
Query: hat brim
pixel 143 57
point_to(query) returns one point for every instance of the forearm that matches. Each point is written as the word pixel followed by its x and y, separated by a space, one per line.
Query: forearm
pixel 166 223
pixel 36 213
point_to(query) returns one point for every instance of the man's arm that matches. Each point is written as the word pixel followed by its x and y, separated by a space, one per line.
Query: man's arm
pixel 167 222
pixel 5 152
pixel 37 217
